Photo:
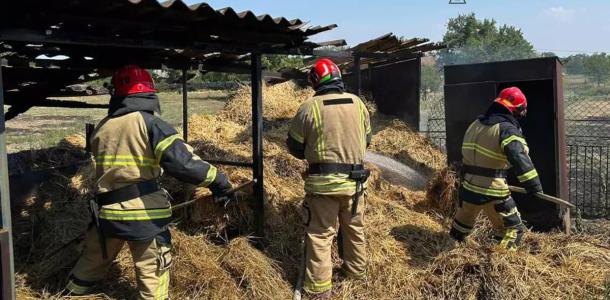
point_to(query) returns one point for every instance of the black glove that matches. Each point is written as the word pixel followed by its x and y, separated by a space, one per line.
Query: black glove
pixel 532 186
pixel 533 189
pixel 221 190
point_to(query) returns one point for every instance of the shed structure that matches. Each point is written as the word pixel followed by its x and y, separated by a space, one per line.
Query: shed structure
pixel 95 36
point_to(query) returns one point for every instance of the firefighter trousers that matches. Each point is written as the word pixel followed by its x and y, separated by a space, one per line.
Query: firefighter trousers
pixel 151 258
pixel 503 215
pixel 322 215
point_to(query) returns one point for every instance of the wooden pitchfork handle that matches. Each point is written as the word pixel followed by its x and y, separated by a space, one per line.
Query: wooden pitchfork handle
pixel 542 196
pixel 233 190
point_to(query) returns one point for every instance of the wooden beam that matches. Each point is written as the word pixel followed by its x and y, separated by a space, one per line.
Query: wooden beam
pixel 32 36
pixel 336 43
pixel 6 233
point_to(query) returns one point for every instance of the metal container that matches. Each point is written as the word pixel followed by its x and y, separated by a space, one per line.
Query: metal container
pixel 395 88
pixel 470 89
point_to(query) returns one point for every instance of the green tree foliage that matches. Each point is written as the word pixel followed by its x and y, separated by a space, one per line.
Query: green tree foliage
pixel 282 62
pixel 548 54
pixel 575 64
pixel 431 79
pixel 597 67
pixel 471 40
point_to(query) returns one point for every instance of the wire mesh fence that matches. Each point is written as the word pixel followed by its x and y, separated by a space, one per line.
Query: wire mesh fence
pixel 433 119
pixel 588 138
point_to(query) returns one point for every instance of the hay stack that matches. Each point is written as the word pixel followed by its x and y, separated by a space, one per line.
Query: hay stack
pixel 441 193
pixel 410 254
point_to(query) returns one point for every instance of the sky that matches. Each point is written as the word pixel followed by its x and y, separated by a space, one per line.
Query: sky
pixel 562 26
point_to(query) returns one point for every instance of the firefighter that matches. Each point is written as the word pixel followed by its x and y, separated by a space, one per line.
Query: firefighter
pixel 132 148
pixel 331 131
pixel 493 144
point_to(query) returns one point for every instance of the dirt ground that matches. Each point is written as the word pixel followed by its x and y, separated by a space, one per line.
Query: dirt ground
pixel 41 127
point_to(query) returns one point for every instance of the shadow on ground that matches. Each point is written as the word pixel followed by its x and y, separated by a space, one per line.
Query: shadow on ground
pixel 422 245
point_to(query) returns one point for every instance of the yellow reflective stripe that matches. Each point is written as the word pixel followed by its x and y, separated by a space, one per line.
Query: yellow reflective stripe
pixel 164 144
pixel 484 151
pixel 509 236
pixel 297 137
pixel 528 176
pixel 485 191
pixel 461 228
pixel 162 286
pixel 317 287
pixel 510 139
pixel 210 177
pixel 317 117
pixel 510 213
pixel 329 183
pixel 135 215
pixel 362 127
pixel 124 160
pixel 312 188
pixel 126 163
pixel 77 289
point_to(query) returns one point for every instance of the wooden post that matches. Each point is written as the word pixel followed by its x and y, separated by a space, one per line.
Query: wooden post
pixel 88 133
pixel 6 233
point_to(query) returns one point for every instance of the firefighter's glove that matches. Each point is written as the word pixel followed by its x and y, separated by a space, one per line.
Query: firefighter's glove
pixel 221 190
pixel 533 189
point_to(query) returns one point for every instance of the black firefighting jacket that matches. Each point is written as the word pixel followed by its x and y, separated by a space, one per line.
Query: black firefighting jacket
pixel 132 145
pixel 493 144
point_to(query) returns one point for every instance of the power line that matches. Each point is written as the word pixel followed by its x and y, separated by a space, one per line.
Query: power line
pixel 571 51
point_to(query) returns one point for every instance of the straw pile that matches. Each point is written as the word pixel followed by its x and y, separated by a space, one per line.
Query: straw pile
pixel 410 254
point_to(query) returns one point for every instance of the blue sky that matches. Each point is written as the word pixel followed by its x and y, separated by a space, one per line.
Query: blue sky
pixel 560 25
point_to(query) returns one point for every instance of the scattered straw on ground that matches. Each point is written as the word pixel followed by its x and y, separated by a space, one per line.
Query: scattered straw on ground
pixel 410 254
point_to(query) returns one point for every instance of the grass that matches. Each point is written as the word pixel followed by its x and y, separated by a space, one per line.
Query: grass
pixel 42 127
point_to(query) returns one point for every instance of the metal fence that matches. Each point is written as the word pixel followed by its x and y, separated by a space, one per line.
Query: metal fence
pixel 432 118
pixel 588 140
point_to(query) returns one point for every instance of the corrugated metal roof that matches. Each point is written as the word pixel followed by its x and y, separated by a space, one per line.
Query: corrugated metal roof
pixel 99 35
pixel 151 24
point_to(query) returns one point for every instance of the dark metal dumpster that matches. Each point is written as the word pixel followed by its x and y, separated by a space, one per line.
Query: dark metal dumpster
pixel 395 88
pixel 470 89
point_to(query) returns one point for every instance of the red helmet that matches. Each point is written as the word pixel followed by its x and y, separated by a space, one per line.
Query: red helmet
pixel 323 71
pixel 132 79
pixel 514 100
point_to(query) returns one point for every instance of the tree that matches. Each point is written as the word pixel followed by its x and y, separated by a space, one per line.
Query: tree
pixel 597 67
pixel 470 40
pixel 575 64
pixel 431 79
pixel 282 62
pixel 548 54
